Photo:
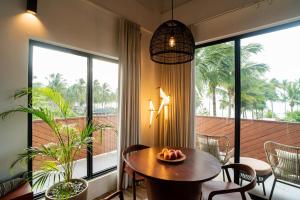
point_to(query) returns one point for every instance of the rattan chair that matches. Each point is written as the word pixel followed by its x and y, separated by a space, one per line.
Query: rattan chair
pixel 285 163
pixel 218 146
pixel 229 190
pixel 126 169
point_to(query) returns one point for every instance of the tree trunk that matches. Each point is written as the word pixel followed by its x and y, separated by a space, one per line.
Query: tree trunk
pixel 229 105
pixel 292 106
pixel 285 108
pixel 214 101
pixel 272 108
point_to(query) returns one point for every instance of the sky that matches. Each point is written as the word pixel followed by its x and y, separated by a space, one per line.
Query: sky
pixel 281 52
pixel 72 67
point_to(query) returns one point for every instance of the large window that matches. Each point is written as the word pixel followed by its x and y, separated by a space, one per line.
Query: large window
pixel 256 103
pixel 90 84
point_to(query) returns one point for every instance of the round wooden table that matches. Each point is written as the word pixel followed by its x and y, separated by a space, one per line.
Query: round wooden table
pixel 181 180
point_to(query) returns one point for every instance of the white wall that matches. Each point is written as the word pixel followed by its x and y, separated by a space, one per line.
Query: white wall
pixel 76 24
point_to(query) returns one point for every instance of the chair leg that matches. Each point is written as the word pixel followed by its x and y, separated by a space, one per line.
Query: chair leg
pixel 264 188
pixel 121 196
pixel 243 196
pixel 223 175
pixel 133 186
pixel 122 176
pixel 272 190
pixel 241 182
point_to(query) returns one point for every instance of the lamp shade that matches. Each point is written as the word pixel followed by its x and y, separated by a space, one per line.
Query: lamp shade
pixel 32 6
pixel 172 43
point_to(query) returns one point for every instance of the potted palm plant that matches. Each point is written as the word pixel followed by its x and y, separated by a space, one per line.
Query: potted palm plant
pixel 59 157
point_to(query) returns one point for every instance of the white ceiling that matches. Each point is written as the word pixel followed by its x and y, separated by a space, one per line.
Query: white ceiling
pixel 150 13
pixel 161 6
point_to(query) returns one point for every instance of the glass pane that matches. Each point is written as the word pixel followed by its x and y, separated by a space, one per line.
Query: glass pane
pixel 105 112
pixel 270 91
pixel 214 100
pixel 67 74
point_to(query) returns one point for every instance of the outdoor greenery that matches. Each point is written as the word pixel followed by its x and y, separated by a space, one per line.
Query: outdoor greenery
pixel 103 96
pixel 59 157
pixel 215 79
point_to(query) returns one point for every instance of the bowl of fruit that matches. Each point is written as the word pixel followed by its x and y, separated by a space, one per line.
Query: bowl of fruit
pixel 171 155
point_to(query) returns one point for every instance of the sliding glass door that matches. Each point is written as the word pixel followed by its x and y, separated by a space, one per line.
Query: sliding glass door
pixel 270 91
pixel 214 99
pixel 249 89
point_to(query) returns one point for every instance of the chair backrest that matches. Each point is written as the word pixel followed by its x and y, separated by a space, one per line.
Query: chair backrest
pixel 132 148
pixel 284 161
pixel 218 146
pixel 241 168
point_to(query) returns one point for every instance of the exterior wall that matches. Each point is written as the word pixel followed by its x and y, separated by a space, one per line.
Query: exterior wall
pixel 253 133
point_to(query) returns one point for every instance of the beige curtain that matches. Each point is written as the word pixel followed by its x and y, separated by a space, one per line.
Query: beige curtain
pixel 129 79
pixel 175 128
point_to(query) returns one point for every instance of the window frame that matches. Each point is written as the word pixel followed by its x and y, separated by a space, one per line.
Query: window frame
pixel 237 56
pixel 89 98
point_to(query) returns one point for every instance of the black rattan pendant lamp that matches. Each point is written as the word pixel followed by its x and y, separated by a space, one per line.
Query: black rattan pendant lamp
pixel 172 43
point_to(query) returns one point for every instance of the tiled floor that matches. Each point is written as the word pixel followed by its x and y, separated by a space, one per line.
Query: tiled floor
pixel 141 193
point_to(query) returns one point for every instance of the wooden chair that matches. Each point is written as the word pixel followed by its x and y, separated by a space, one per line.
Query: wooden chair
pixel 128 170
pixel 218 146
pixel 218 190
pixel 118 193
pixel 285 164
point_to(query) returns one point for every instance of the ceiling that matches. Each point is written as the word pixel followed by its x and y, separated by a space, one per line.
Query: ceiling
pixel 161 6
pixel 150 13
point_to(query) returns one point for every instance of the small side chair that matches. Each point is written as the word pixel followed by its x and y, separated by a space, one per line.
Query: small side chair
pixel 218 190
pixel 218 146
pixel 126 169
pixel 285 164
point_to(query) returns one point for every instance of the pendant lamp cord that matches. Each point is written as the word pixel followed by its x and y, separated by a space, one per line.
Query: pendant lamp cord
pixel 172 9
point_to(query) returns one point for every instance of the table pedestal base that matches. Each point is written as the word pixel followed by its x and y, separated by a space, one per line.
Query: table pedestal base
pixel 163 190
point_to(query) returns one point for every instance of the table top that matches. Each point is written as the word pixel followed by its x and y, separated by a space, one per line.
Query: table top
pixel 198 166
pixel 261 167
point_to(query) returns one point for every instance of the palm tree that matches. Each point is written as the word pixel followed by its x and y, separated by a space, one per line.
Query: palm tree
pixel 57 82
pixel 105 94
pixel 209 68
pixel 271 94
pixel 97 92
pixel 293 94
pixel 215 68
